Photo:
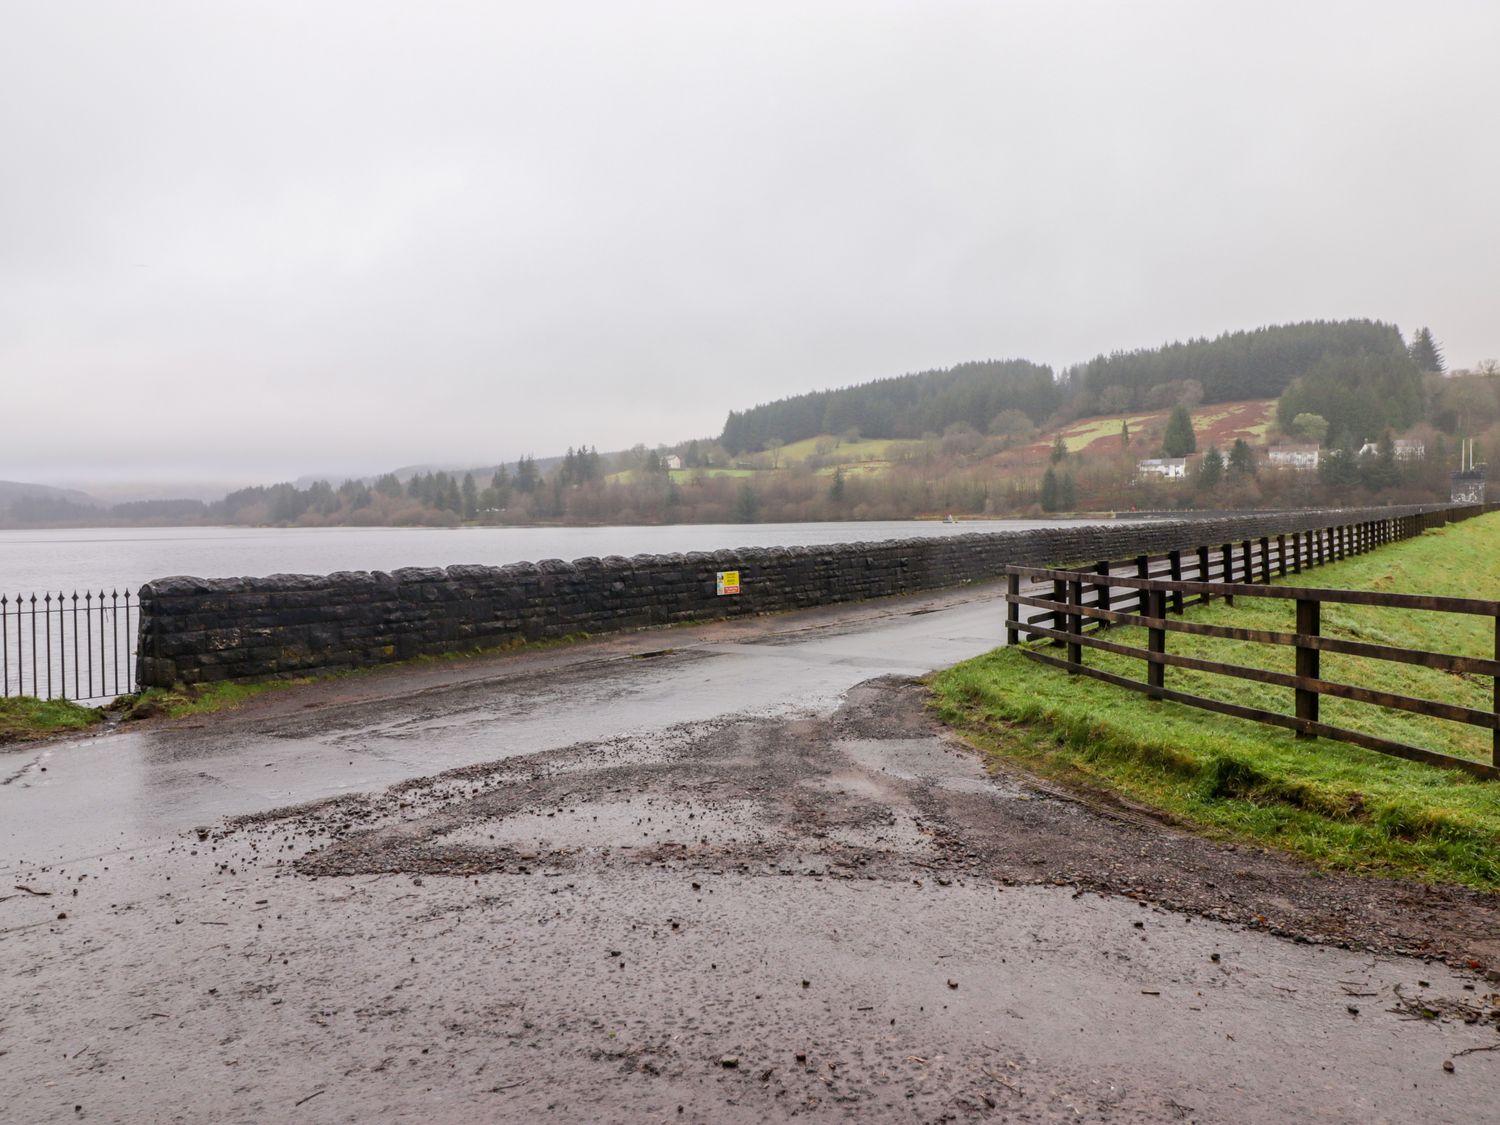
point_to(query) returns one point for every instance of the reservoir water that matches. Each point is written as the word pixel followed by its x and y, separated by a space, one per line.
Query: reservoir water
pixel 124 558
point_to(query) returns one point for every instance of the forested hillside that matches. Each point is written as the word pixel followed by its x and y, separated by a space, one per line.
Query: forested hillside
pixel 1358 374
pixel 907 406
pixel 1234 367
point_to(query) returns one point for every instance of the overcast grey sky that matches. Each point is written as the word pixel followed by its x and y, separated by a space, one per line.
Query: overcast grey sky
pixel 256 240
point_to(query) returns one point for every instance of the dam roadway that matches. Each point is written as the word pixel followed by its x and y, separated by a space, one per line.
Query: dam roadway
pixel 724 872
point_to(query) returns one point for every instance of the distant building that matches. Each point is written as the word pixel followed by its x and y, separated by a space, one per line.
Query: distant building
pixel 1467 486
pixel 1168 468
pixel 672 461
pixel 1299 458
pixel 1405 449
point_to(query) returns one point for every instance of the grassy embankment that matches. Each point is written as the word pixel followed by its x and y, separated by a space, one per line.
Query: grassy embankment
pixel 23 718
pixel 1339 805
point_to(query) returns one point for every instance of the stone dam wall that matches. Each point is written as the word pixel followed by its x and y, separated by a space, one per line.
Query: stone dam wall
pixel 197 630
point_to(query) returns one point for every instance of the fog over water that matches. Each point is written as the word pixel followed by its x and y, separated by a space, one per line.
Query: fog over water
pixel 244 243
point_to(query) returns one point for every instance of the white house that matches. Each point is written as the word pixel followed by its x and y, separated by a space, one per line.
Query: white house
pixel 1168 468
pixel 672 461
pixel 1301 458
pixel 1405 449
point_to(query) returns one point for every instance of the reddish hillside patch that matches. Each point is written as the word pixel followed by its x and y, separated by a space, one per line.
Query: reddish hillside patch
pixel 1220 424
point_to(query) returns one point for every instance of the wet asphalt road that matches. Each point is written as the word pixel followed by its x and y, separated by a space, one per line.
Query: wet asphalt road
pixel 127 788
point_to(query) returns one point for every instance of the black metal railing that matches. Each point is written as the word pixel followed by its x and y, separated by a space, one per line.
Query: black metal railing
pixel 68 646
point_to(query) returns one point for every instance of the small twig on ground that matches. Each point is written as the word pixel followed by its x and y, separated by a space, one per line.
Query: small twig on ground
pixel 1476 1050
pixel 1179 1109
pixel 509 1086
pixel 33 891
pixel 990 1074
pixel 311 1096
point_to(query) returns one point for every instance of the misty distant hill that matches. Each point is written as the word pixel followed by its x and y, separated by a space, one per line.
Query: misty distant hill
pixel 482 473
pixel 11 491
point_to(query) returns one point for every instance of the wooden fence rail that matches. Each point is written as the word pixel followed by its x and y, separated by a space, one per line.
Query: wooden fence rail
pixel 1078 602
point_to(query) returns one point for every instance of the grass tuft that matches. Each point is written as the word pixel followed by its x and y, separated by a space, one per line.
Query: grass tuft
pixel 24 717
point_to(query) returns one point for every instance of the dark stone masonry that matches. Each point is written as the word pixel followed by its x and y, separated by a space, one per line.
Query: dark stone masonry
pixel 195 630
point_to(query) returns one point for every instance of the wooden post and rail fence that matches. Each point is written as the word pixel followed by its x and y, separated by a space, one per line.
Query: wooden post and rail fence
pixel 1078 602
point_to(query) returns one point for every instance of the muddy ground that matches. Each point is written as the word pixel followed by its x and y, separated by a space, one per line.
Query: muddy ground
pixel 836 917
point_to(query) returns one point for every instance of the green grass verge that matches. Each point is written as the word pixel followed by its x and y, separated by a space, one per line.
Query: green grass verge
pixel 181 701
pixel 1345 807
pixel 23 718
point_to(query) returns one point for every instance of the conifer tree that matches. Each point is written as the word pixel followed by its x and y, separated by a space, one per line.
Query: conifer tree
pixel 1425 352
pixel 470 495
pixel 1179 439
pixel 1211 471
pixel 1241 459
pixel 1067 493
pixel 1049 490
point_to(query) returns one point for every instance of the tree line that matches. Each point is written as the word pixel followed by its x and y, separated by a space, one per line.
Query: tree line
pixel 906 406
pixel 1357 374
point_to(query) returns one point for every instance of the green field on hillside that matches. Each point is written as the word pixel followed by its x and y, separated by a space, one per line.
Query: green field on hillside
pixel 1338 804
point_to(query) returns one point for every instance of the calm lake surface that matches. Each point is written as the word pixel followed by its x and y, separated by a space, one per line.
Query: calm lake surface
pixel 124 558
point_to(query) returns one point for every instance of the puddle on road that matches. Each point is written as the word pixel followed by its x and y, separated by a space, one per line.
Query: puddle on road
pixel 928 760
pixel 619 824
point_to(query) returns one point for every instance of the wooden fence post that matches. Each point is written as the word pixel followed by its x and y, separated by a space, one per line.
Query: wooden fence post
pixel 1102 594
pixel 1228 575
pixel 1012 608
pixel 1308 625
pixel 1174 560
pixel 1075 623
pixel 1281 555
pixel 1265 559
pixel 1059 615
pixel 1156 641
pixel 1203 571
pixel 1142 570
pixel 1495 735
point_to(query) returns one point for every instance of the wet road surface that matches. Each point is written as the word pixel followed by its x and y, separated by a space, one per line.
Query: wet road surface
pixel 726 873
pixel 94 795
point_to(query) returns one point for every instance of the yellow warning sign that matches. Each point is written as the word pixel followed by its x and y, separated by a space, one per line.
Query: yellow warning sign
pixel 729 582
